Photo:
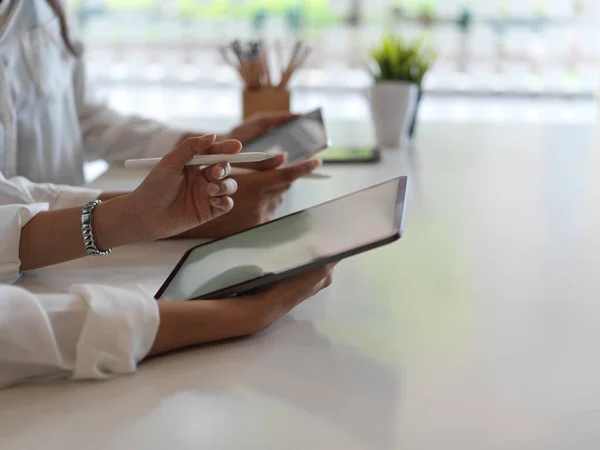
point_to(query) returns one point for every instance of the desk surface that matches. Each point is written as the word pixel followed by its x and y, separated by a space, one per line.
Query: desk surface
pixel 479 329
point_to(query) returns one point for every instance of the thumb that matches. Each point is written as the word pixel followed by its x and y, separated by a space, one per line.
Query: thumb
pixel 185 151
pixel 203 145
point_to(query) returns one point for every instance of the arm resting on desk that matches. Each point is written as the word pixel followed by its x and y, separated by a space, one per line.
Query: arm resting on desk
pixel 100 331
pixel 94 332
pixel 195 322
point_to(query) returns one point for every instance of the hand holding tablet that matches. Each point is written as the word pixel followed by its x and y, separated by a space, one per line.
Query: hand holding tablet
pixel 291 245
pixel 301 139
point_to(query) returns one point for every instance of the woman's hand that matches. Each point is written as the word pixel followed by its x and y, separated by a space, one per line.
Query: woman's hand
pixel 195 322
pixel 251 128
pixel 258 196
pixel 174 198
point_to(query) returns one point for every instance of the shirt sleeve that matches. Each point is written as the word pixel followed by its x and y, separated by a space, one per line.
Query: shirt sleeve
pixel 12 219
pixel 20 190
pixel 93 333
pixel 112 136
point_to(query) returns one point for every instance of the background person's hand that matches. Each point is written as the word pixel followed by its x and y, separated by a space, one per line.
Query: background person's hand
pixel 195 322
pixel 174 198
pixel 257 125
pixel 258 196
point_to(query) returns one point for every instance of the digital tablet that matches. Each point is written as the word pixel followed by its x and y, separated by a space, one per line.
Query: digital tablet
pixel 302 138
pixel 290 245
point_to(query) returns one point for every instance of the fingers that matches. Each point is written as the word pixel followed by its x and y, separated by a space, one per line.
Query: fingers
pixel 229 146
pixel 314 281
pixel 280 298
pixel 221 188
pixel 216 172
pixel 221 205
pixel 329 278
pixel 202 145
pixel 281 177
pixel 268 164
pixel 322 276
pixel 303 286
pixel 185 151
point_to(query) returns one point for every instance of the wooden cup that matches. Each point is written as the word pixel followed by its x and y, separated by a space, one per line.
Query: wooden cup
pixel 265 100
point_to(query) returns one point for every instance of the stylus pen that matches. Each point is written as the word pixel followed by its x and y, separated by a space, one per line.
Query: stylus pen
pixel 203 160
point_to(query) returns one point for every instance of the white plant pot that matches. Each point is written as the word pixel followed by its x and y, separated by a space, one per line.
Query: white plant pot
pixel 392 106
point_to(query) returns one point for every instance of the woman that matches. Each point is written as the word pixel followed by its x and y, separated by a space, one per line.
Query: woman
pixel 49 124
pixel 98 331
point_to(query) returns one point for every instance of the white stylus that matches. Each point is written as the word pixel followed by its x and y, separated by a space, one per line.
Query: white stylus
pixel 203 160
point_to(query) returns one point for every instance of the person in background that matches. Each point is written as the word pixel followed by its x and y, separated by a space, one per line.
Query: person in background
pixel 50 123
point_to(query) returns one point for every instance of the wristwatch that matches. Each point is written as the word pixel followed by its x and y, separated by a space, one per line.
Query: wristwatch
pixel 87 231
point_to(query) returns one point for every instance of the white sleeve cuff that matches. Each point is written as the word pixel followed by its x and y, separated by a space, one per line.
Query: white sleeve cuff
pixel 12 219
pixel 21 190
pixel 70 196
pixel 119 330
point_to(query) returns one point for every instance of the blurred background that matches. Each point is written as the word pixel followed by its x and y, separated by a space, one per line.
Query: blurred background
pixel 499 60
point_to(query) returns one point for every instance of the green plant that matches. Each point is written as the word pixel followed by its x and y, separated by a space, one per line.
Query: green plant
pixel 399 59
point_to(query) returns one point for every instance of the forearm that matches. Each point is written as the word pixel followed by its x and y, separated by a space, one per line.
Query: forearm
pixel 105 196
pixel 53 237
pixel 187 323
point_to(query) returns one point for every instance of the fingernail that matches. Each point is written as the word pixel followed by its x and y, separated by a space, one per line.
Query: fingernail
pixel 285 156
pixel 316 163
pixel 220 172
pixel 209 137
pixel 214 188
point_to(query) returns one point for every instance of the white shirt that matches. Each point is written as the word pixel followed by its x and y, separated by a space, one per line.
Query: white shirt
pixel 4 5
pixel 49 124
pixel 50 121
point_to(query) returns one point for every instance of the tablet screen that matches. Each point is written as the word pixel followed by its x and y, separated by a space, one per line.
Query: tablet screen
pixel 359 220
pixel 301 138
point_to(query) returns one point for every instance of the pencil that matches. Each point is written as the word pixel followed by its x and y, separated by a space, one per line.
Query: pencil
pixel 265 67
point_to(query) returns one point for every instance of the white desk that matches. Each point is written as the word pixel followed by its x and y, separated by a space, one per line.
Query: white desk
pixel 480 329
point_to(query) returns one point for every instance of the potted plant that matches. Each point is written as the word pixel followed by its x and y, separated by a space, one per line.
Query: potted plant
pixel 399 69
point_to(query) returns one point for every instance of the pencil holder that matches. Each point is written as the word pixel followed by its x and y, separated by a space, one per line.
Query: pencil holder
pixel 265 100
